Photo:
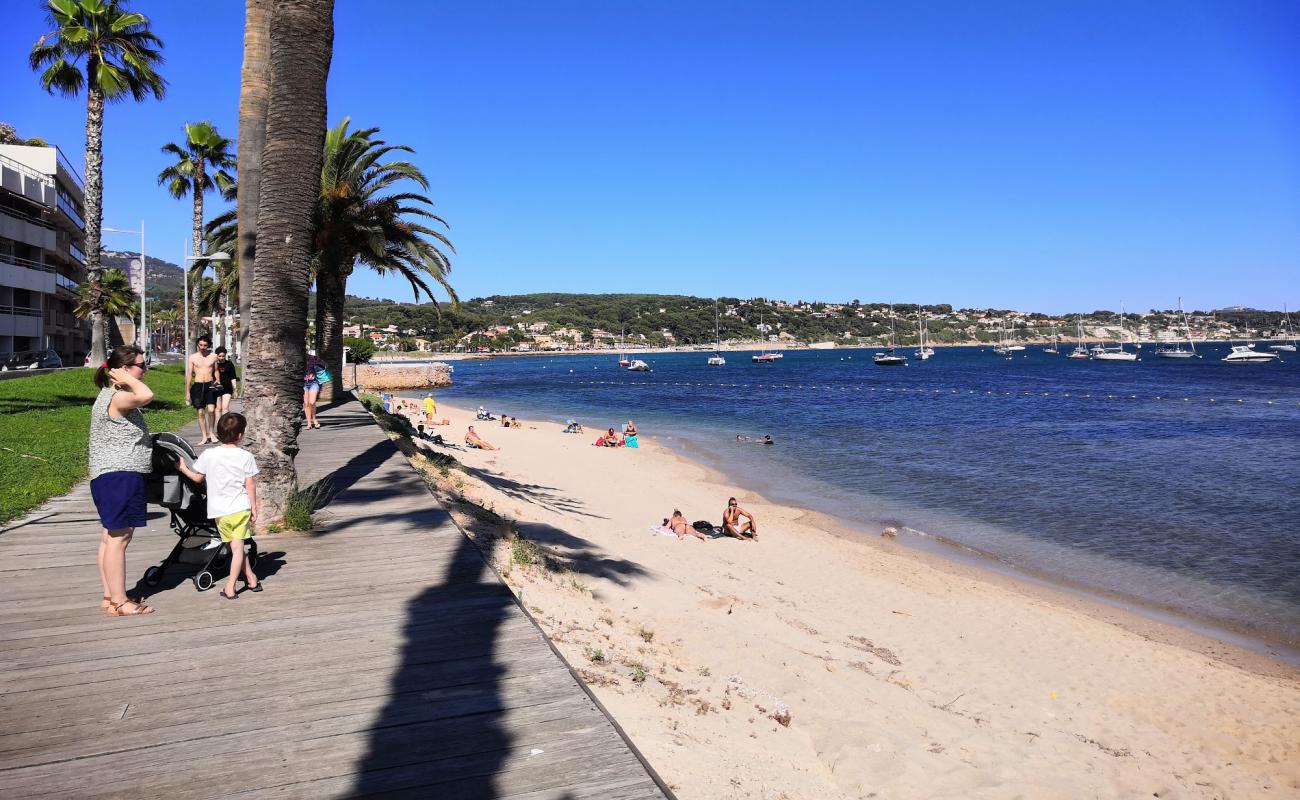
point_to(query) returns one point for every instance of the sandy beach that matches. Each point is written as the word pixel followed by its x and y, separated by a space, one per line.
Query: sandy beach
pixel 815 664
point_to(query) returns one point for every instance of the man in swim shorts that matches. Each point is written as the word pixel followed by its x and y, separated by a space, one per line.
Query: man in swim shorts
pixel 201 387
pixel 732 524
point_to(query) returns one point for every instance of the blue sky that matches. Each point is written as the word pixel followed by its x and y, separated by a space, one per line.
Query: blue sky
pixel 1055 156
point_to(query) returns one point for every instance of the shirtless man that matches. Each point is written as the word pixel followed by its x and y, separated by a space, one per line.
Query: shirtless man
pixel 732 524
pixel 201 388
pixel 474 440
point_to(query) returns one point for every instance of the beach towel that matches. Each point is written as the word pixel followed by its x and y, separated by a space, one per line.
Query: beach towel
pixel 662 530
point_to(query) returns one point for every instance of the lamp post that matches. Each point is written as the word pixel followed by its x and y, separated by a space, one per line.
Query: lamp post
pixel 185 274
pixel 144 321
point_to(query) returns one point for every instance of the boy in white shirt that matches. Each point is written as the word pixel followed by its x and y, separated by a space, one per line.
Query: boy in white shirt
pixel 232 495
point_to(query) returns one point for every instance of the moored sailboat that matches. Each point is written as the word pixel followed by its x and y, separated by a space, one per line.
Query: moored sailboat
pixel 1176 350
pixel 888 358
pixel 1104 353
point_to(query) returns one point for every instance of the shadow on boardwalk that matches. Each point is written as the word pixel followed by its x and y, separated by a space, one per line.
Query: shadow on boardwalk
pixel 461 719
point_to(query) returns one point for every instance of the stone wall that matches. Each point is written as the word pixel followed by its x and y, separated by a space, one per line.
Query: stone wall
pixel 388 377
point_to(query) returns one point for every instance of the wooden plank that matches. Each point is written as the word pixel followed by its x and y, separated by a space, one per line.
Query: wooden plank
pixel 384 657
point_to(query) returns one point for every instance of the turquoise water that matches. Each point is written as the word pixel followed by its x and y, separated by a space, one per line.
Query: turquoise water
pixel 1170 482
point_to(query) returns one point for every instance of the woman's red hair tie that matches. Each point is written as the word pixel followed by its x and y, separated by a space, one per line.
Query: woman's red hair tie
pixel 104 365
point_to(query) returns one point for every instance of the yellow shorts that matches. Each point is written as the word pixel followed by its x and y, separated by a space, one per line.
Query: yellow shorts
pixel 235 526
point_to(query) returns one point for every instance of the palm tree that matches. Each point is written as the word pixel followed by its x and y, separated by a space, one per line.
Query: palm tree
pixel 201 165
pixel 356 223
pixel 302 45
pixel 120 57
pixel 254 91
pixel 114 298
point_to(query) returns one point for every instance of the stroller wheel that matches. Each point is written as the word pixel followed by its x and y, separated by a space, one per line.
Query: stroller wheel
pixel 203 581
pixel 153 576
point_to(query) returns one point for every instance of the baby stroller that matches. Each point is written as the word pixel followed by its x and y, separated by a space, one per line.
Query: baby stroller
pixel 200 544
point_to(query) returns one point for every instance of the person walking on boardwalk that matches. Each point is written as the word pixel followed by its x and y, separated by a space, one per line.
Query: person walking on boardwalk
pixel 232 496
pixel 312 378
pixel 227 382
pixel 121 454
pixel 201 387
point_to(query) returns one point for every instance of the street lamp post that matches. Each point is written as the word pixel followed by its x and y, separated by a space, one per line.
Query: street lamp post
pixel 144 287
pixel 185 274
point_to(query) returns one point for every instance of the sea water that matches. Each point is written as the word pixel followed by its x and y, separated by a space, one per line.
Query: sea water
pixel 1173 482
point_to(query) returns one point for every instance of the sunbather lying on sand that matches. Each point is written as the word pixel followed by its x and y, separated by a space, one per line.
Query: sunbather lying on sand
pixel 472 439
pixel 680 526
pixel 732 524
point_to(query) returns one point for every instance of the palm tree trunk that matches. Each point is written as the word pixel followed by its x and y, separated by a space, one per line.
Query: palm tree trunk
pixel 302 44
pixel 196 238
pixel 331 287
pixel 94 208
pixel 254 92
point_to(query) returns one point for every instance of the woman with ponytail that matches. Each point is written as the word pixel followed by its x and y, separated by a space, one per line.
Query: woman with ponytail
pixel 121 454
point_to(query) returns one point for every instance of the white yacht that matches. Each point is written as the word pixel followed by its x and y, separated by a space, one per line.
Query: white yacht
pixel 1176 349
pixel 1103 353
pixel 638 365
pixel 1247 354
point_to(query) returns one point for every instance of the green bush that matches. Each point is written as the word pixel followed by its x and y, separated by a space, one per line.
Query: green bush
pixel 360 351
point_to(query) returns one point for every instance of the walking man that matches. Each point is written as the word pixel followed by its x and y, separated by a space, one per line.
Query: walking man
pixel 201 388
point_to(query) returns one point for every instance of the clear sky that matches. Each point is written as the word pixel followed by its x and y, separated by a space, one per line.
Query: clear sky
pixel 1058 156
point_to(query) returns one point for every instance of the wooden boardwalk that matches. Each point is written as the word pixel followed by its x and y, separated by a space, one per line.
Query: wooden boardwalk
pixel 384 657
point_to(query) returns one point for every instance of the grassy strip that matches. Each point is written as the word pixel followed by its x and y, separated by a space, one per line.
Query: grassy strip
pixel 45 430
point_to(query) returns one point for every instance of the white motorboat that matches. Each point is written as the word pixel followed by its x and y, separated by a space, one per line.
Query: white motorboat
pixel 638 365
pixel 716 360
pixel 1247 354
pixel 1176 349
pixel 1118 353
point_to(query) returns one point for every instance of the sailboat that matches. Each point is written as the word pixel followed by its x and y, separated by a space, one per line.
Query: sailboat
pixel 1176 350
pixel 1080 351
pixel 888 358
pixel 1103 353
pixel 923 349
pixel 1286 347
pixel 716 360
pixel 623 360
pixel 1052 349
pixel 764 357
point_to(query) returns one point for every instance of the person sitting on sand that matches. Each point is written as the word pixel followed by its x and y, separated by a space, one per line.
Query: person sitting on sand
pixel 679 525
pixel 505 421
pixel 629 429
pixel 611 438
pixel 734 526
pixel 475 441
pixel 515 423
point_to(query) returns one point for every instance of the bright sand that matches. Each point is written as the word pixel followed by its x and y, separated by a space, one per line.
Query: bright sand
pixel 903 675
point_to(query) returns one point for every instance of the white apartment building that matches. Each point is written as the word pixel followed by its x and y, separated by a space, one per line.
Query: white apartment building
pixel 41 262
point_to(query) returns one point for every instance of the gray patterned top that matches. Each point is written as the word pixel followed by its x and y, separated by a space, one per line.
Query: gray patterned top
pixel 118 445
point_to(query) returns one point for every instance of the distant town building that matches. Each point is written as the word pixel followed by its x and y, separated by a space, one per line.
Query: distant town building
pixel 41 262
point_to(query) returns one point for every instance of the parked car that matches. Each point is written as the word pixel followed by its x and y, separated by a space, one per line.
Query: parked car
pixel 31 359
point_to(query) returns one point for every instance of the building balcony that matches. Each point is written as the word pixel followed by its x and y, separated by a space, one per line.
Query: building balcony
pixel 20 321
pixel 23 273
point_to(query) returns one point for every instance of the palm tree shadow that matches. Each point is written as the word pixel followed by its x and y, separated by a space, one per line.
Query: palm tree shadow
pixel 465 692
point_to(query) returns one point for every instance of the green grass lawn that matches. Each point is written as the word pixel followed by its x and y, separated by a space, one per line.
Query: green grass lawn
pixel 45 427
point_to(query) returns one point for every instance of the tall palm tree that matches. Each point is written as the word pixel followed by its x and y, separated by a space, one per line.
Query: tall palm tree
pixel 109 51
pixel 302 45
pixel 115 297
pixel 254 92
pixel 201 166
pixel 357 223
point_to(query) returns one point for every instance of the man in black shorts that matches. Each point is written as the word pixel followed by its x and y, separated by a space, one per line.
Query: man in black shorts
pixel 201 388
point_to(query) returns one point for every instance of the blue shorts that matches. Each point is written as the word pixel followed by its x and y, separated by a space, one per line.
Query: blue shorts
pixel 310 386
pixel 119 499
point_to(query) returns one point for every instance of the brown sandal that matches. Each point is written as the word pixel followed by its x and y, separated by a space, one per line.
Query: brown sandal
pixel 115 609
